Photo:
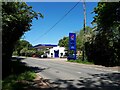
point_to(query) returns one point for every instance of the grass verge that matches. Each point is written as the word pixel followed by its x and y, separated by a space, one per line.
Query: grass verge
pixel 80 61
pixel 14 82
pixel 20 78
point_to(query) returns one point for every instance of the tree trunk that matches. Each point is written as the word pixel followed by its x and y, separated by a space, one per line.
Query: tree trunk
pixel 6 61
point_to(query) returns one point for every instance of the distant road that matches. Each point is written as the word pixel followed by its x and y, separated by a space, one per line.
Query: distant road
pixel 62 74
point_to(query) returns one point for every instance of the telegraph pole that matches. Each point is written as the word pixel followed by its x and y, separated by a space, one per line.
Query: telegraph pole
pixel 84 10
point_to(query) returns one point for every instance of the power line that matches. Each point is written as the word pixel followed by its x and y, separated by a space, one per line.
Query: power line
pixel 58 21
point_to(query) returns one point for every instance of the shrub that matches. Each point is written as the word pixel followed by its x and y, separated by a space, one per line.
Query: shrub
pixel 14 82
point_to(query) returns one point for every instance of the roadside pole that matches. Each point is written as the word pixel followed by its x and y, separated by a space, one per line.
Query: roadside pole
pixel 84 25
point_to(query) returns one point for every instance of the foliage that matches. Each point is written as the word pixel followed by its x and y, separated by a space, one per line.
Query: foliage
pixel 14 82
pixel 20 45
pixel 39 53
pixel 80 61
pixel 27 52
pixel 20 77
pixel 30 53
pixel 23 52
pixel 16 20
pixel 24 48
pixel 15 53
pixel 81 37
pixel 105 46
pixel 64 42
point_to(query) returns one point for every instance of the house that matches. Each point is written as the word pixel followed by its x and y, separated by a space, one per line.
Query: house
pixel 57 52
pixel 52 51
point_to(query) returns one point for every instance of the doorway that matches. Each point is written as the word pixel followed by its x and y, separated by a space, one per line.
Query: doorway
pixel 56 53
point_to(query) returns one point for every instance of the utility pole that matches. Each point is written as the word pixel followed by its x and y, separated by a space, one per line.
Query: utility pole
pixel 84 10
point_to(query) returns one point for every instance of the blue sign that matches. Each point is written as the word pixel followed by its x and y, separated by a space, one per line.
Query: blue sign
pixel 72 46
pixel 72 41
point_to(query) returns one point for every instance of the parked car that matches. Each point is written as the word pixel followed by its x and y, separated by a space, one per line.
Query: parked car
pixel 44 56
pixel 71 57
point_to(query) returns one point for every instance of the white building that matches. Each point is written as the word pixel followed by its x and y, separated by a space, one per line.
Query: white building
pixel 56 52
pixel 50 50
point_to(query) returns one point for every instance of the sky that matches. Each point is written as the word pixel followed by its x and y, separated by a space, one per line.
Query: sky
pixel 52 12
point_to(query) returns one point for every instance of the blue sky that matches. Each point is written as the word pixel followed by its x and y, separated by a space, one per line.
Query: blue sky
pixel 52 12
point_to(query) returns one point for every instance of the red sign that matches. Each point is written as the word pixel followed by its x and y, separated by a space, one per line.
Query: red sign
pixel 72 37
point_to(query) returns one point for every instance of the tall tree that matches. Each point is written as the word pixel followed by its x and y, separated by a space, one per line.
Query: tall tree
pixel 64 42
pixel 105 46
pixel 81 38
pixel 17 18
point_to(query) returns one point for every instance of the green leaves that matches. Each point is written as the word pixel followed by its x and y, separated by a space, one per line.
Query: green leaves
pixel 106 14
pixel 103 48
pixel 18 82
pixel 81 37
pixel 64 42
pixel 22 46
pixel 16 20
pixel 19 12
pixel 40 15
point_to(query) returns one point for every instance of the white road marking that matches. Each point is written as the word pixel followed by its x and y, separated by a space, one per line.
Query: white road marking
pixel 79 72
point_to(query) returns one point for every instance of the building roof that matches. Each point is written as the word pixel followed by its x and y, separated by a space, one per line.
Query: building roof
pixel 44 46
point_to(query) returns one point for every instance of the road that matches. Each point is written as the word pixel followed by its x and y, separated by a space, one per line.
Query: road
pixel 62 74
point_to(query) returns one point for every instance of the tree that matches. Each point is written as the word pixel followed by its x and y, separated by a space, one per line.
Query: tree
pixel 20 45
pixel 86 37
pixel 105 49
pixel 24 51
pixel 64 42
pixel 27 52
pixel 17 18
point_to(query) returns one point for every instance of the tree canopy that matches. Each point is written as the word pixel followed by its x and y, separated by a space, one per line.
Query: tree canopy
pixel 105 47
pixel 17 19
pixel 20 45
pixel 81 37
pixel 64 42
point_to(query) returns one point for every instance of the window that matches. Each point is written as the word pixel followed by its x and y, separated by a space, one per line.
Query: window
pixel 51 53
pixel 61 54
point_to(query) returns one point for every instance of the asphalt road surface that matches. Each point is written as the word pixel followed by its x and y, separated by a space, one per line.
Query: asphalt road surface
pixel 62 74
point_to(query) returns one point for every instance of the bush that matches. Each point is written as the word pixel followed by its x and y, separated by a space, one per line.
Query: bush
pixel 79 57
pixel 26 52
pixel 14 82
pixel 80 61
pixel 23 52
pixel 39 53
pixel 15 53
pixel 30 53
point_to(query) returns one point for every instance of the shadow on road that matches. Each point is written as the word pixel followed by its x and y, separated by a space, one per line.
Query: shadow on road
pixel 21 77
pixel 19 67
pixel 109 81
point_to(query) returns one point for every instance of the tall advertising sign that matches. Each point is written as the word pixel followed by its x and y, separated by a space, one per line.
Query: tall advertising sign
pixel 72 46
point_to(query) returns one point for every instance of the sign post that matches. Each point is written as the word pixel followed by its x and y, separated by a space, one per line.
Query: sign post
pixel 72 46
